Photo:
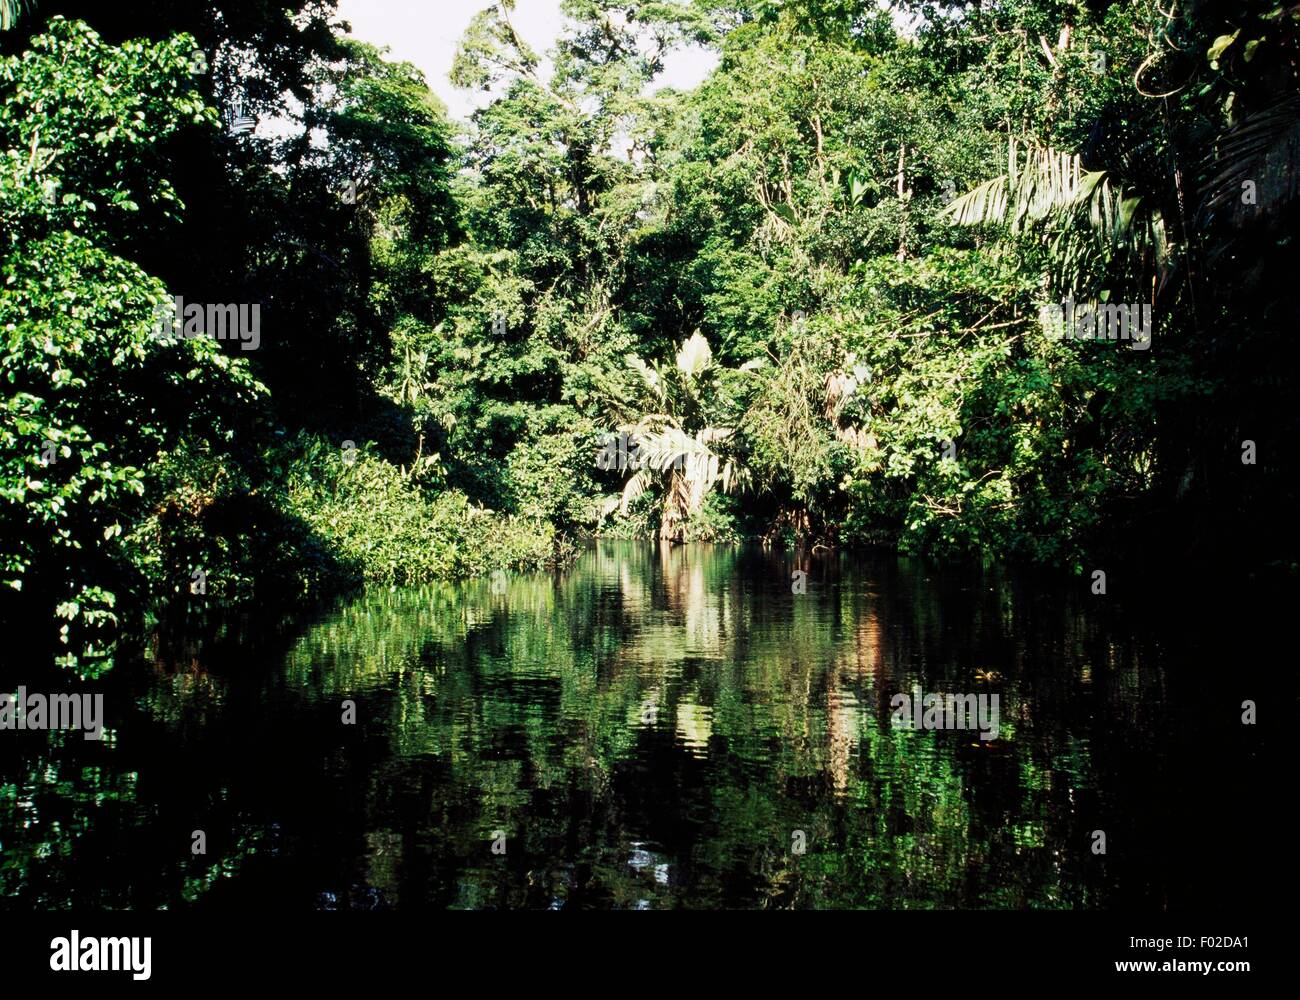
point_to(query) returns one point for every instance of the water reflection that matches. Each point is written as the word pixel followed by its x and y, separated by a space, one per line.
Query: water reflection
pixel 658 727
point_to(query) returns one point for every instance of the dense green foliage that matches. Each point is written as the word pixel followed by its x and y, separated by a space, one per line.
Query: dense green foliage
pixel 449 317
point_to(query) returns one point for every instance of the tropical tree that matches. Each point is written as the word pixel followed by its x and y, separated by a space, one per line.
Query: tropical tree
pixel 1087 221
pixel 77 444
pixel 677 426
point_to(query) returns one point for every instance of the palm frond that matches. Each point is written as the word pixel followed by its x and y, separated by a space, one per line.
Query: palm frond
pixel 694 356
pixel 663 448
pixel 1263 148
pixel 10 11
pixel 1088 224
pixel 1048 184
pixel 982 205
pixel 633 488
pixel 651 378
pixel 736 476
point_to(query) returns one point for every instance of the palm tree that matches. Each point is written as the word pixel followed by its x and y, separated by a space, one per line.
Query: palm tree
pixel 1091 225
pixel 1087 222
pixel 671 422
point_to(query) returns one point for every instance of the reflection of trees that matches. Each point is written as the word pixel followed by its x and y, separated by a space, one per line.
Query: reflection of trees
pixel 687 665
pixel 649 728
pixel 72 833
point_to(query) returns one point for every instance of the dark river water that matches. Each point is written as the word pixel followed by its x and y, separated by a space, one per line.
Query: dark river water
pixel 667 727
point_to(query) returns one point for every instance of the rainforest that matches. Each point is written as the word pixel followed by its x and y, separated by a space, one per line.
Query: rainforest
pixel 619 450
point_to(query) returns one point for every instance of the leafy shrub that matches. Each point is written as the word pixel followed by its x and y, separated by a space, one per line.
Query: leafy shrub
pixel 714 521
pixel 367 512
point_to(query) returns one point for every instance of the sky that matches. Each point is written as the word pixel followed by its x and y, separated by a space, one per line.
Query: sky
pixel 426 32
